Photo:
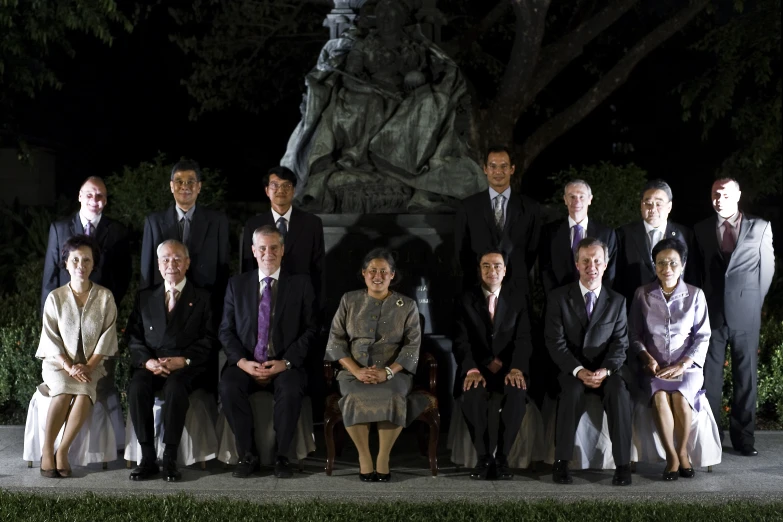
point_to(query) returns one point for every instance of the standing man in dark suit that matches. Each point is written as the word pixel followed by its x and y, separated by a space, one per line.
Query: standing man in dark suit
pixel 492 346
pixel 636 240
pixel 171 338
pixel 587 336
pixel 560 238
pixel 303 232
pixel 737 263
pixel 114 270
pixel 268 326
pixel 204 231
pixel 498 219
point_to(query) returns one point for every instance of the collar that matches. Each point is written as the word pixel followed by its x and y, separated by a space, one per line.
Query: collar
pixel 287 215
pixel 733 220
pixel 179 286
pixel 584 290
pixel 680 290
pixel 494 193
pixel 181 213
pixel 487 292
pixel 662 228
pixel 94 222
pixel 262 275
pixel 572 223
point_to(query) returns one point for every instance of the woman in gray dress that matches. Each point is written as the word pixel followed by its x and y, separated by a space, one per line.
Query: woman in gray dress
pixel 670 333
pixel 376 336
pixel 78 332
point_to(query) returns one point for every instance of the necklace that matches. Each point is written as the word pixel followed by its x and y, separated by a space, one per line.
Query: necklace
pixel 667 294
pixel 80 293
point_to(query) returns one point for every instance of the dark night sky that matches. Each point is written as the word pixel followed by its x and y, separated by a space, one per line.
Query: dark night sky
pixel 121 105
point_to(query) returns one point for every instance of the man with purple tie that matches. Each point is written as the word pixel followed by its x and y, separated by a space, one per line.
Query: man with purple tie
pixel 268 326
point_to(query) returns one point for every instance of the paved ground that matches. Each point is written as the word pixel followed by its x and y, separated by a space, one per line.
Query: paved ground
pixel 737 477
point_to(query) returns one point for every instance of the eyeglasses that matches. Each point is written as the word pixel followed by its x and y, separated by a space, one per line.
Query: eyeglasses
pixel 375 271
pixel 181 183
pixel 281 186
pixel 487 267
pixel 505 167
pixel 663 264
pixel 656 204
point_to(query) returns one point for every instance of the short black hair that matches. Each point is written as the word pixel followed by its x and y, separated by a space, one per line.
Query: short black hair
pixel 671 243
pixel 657 184
pixel 386 255
pixel 281 172
pixel 75 243
pixel 495 149
pixel 491 251
pixel 184 165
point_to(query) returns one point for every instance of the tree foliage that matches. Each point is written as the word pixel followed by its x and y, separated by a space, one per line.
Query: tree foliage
pixel 741 88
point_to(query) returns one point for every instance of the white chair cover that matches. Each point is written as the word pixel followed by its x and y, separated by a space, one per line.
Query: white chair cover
pixel 99 440
pixel 527 448
pixel 704 446
pixel 592 445
pixel 262 404
pixel 199 441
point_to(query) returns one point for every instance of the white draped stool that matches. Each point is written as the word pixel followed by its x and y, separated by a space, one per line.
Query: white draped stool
pixel 704 445
pixel 100 439
pixel 592 443
pixel 262 403
pixel 527 449
pixel 199 441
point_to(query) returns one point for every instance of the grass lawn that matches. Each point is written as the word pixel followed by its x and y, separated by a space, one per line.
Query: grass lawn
pixel 29 507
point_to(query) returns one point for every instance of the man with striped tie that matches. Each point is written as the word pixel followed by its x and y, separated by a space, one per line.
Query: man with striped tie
pixel 267 329
pixel 114 269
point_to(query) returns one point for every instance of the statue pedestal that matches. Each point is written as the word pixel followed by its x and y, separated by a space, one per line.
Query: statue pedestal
pixel 423 245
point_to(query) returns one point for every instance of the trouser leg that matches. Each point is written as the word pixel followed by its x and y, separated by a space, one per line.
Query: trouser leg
pixel 569 411
pixel 141 399
pixel 289 389
pixel 744 370
pixel 617 405
pixel 176 402
pixel 235 388
pixel 713 372
pixel 514 406
pixel 475 407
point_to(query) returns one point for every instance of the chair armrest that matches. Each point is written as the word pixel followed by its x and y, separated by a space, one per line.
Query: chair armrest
pixel 328 374
pixel 429 360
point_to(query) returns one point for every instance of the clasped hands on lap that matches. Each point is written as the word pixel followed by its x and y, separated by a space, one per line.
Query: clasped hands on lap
pixel 165 365
pixel 264 372
pixel 592 379
pixel 653 369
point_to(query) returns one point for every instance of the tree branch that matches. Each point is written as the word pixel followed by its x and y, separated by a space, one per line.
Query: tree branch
pixel 617 76
pixel 456 45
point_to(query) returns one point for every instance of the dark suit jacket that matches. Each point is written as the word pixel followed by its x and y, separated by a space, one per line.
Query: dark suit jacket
pixel 477 341
pixel 189 333
pixel 208 245
pixel 304 247
pixel 293 326
pixel 635 267
pixel 114 270
pixel 572 341
pixel 735 288
pixel 556 259
pixel 475 232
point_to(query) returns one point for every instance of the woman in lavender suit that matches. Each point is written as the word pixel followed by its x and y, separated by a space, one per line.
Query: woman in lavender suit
pixel 669 333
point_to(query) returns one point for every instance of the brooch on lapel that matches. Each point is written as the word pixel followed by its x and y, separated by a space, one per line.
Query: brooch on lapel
pixel 399 302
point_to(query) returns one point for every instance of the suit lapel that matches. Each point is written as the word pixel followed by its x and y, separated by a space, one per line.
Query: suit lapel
pixel 102 230
pixel 500 310
pixel 564 254
pixel 184 307
pixel 745 225
pixel 640 237
pixel 293 228
pixel 280 302
pixel 513 210
pixel 158 310
pixel 480 306
pixel 76 225
pixel 600 307
pixel 577 304
pixel 489 217
pixel 198 230
pixel 170 225
pixel 711 237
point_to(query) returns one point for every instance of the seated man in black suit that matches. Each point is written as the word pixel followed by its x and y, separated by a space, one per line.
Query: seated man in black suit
pixel 268 326
pixel 587 336
pixel 171 337
pixel 114 269
pixel 302 232
pixel 492 346
pixel 559 239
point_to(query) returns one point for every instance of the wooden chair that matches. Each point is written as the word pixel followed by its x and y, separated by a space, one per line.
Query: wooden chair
pixel 424 384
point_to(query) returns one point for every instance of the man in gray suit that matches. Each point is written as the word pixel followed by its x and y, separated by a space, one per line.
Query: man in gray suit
pixel 736 262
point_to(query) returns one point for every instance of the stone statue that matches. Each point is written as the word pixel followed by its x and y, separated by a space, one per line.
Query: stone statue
pixel 384 124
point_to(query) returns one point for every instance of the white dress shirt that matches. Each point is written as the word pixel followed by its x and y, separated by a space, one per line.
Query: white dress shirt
pixel 584 291
pixel 572 224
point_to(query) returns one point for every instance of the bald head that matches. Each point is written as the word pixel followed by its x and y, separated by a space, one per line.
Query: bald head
pixel 92 197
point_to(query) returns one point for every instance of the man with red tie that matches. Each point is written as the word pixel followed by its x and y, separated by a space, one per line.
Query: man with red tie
pixel 268 326
pixel 736 262
pixel 492 347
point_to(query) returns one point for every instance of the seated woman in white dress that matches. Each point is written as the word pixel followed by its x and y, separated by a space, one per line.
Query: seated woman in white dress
pixel 78 332
pixel 669 331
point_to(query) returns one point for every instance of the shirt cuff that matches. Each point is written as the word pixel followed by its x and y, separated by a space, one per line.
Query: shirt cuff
pixel 474 370
pixel 577 369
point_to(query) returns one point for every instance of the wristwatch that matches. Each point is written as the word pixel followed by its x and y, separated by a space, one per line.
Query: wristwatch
pixel 287 364
pixel 608 372
pixel 187 362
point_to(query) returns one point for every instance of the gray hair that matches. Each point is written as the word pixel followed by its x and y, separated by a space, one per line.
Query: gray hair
pixel 268 230
pixel 577 182
pixel 172 243
pixel 589 242
pixel 657 184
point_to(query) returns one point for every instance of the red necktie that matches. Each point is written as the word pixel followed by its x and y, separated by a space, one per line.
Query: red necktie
pixel 491 303
pixel 729 241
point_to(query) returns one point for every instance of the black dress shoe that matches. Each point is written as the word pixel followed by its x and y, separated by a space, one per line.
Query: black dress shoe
pixel 748 451
pixel 383 477
pixel 283 467
pixel 622 476
pixel 687 472
pixel 670 475
pixel 560 472
pixel 170 471
pixel 368 477
pixel 483 469
pixel 147 469
pixel 247 466
pixel 502 471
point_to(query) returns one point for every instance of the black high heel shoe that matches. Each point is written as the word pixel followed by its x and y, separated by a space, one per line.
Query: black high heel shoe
pixel 669 475
pixel 368 477
pixel 687 472
pixel 383 477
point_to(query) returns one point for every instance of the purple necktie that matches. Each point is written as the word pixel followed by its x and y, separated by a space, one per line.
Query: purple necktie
pixel 589 304
pixel 579 234
pixel 88 229
pixel 264 316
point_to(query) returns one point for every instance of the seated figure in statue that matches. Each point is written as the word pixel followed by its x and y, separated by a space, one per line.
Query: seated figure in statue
pixel 381 123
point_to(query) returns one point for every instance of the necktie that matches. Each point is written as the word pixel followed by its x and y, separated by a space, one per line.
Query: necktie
pixel 492 302
pixel 264 316
pixel 172 302
pixel 654 238
pixel 185 229
pixel 282 226
pixel 579 234
pixel 589 304
pixel 728 243
pixel 88 228
pixel 498 210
